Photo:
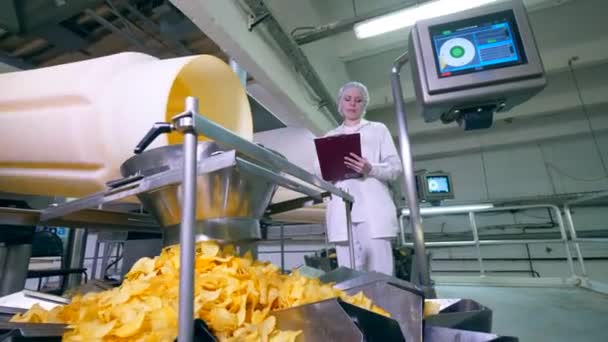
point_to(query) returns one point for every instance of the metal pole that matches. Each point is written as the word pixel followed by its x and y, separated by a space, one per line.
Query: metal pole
pixel 77 244
pixel 15 260
pixel 577 247
pixel 239 71
pixel 95 259
pixel 186 234
pixel 282 247
pixel 409 188
pixel 562 230
pixel 118 245
pixel 245 246
pixel 349 229
pixel 473 224
pixel 105 258
pixel 402 229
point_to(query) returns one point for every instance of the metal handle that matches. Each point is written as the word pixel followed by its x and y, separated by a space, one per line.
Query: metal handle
pixel 156 130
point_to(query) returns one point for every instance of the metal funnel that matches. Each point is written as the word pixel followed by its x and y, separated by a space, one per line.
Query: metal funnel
pixel 229 205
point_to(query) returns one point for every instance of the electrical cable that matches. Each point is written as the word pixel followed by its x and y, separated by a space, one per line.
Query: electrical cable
pixel 530 263
pixel 565 174
pixel 112 264
pixel 485 172
pixel 547 169
pixel 586 113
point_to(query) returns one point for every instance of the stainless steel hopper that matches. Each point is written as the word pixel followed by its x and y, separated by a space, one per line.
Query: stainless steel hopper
pixel 230 201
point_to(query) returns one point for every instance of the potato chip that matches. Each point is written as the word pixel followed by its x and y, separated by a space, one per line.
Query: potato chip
pixel 234 295
pixel 285 336
pixel 142 266
pixel 36 314
pixel 95 330
pixel 131 326
pixel 431 308
pixel 221 319
pixel 207 249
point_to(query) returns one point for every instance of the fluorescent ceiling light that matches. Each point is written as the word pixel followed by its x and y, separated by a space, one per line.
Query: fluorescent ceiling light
pixel 450 209
pixel 409 16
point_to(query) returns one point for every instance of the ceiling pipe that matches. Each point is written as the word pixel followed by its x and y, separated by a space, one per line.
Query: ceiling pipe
pixel 333 28
pixel 149 24
pixel 108 25
pixel 296 55
pixel 340 26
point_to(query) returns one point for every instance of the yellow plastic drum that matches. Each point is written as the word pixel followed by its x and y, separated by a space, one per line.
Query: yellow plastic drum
pixel 65 130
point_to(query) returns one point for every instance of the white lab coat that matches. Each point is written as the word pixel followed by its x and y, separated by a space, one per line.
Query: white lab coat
pixel 373 202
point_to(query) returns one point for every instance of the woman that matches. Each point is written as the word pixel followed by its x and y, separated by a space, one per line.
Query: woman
pixel 374 215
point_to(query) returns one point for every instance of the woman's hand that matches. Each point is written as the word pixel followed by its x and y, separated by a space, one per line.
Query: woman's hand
pixel 359 164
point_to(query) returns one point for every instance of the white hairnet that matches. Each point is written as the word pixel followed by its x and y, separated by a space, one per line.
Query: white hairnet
pixel 364 93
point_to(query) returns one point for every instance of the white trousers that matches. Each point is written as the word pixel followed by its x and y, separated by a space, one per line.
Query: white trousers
pixel 370 254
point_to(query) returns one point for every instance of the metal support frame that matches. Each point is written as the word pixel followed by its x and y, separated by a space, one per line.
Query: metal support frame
pixel 131 39
pixel 185 124
pixel 95 257
pixel 75 257
pixel 282 227
pixel 152 26
pixel 349 230
pixel 596 286
pixel 577 247
pixel 192 124
pixel 476 238
pixel 409 185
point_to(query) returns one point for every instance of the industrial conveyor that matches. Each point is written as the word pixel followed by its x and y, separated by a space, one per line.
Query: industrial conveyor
pixel 222 179
pixel 220 189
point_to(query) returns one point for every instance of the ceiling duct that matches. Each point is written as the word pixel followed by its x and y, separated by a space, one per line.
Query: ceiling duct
pixel 295 54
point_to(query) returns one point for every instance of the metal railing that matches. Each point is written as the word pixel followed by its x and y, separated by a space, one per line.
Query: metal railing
pixel 576 240
pixel 477 242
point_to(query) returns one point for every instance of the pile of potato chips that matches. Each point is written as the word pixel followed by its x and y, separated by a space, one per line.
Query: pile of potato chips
pixel 234 296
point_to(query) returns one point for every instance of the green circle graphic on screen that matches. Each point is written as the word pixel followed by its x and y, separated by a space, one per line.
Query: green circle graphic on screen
pixel 457 51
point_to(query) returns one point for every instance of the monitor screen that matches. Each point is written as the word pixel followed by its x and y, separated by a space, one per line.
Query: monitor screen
pixel 438 184
pixel 477 44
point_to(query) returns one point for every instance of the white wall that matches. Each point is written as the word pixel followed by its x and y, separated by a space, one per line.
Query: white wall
pixel 524 170
pixel 539 169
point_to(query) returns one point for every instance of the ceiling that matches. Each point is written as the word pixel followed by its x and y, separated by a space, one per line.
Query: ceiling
pixel 54 32
pixel 566 30
pixel 296 82
pixel 40 33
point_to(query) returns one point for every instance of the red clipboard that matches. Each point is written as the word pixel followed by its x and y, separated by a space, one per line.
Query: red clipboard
pixel 331 152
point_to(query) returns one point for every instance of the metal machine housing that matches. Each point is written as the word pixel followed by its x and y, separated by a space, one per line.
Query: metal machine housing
pixel 485 92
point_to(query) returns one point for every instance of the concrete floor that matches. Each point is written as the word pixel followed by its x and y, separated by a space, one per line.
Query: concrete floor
pixel 540 314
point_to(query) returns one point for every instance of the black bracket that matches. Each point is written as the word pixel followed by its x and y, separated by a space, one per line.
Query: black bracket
pixel 256 20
